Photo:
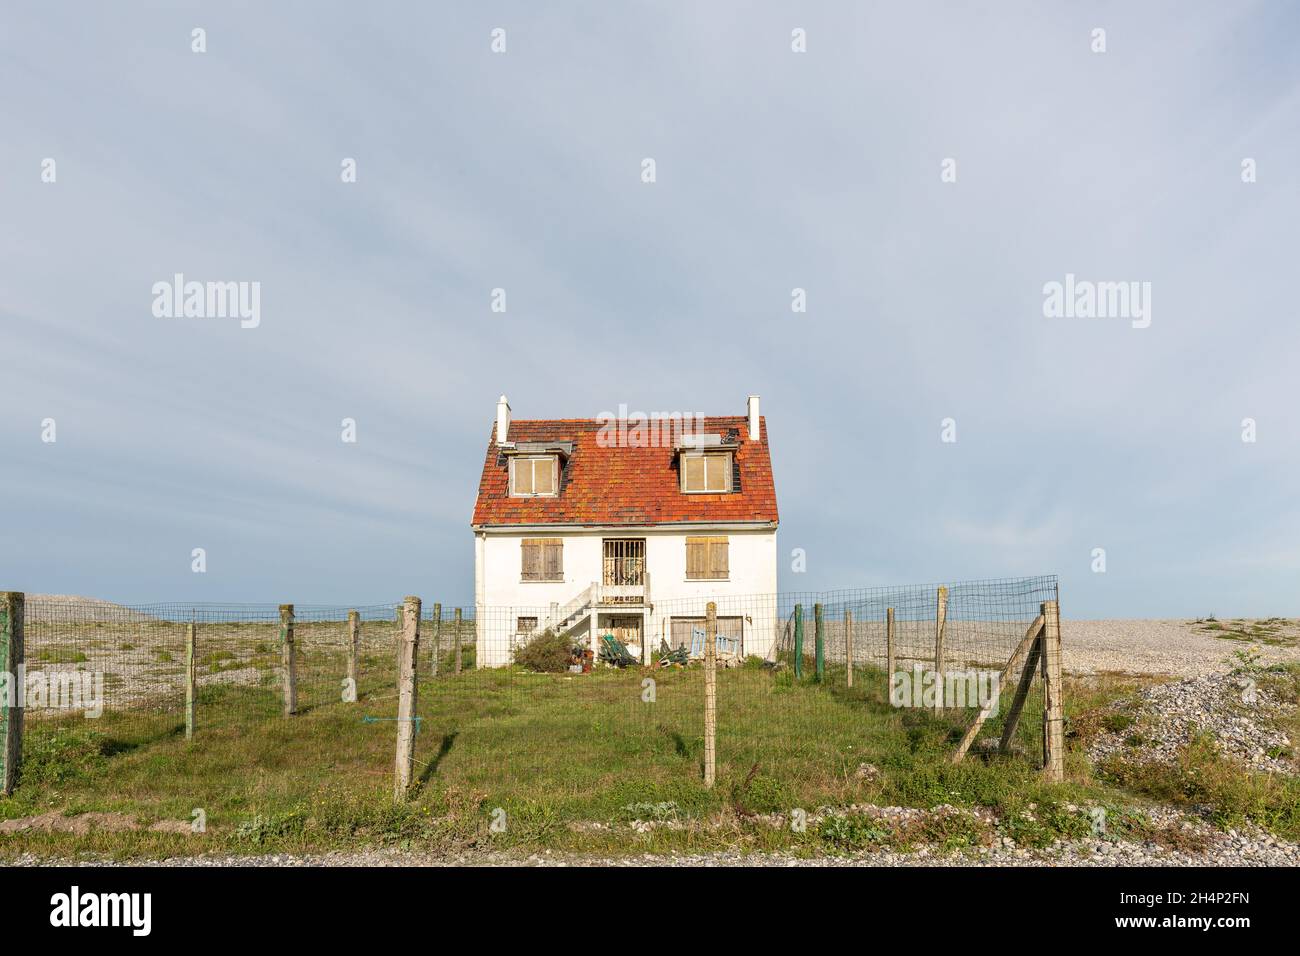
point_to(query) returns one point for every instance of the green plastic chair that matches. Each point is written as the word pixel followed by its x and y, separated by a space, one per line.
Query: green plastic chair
pixel 613 651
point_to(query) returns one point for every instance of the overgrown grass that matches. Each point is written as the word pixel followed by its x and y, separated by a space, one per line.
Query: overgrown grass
pixel 1202 777
pixel 556 753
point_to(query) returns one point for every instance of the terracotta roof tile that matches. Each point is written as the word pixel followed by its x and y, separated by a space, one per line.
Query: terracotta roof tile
pixel 623 485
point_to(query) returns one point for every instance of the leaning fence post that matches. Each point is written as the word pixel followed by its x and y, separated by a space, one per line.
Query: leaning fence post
pixel 288 660
pixel 819 643
pixel 408 642
pixel 798 640
pixel 191 679
pixel 12 612
pixel 459 642
pixel 1053 713
pixel 940 619
pixel 889 653
pixel 354 648
pixel 848 646
pixel 710 693
pixel 437 636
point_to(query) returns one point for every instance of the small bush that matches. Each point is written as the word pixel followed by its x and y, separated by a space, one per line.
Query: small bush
pixel 1117 721
pixel 762 794
pixel 58 759
pixel 1201 777
pixel 665 810
pixel 548 653
pixel 852 831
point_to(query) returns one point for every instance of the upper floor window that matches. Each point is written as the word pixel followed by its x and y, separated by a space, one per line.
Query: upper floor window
pixel 534 476
pixel 706 472
pixel 707 559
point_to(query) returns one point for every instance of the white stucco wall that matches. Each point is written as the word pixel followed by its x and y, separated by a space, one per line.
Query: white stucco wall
pixel 502 596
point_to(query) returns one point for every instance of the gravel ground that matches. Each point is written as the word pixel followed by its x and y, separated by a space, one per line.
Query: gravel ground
pixel 1231 849
pixel 1177 839
pixel 1237 714
pixel 1177 648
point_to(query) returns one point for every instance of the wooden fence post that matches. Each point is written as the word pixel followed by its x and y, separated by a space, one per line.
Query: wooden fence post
pixel 407 693
pixel 397 638
pixel 354 649
pixel 437 636
pixel 798 640
pixel 819 643
pixel 848 646
pixel 12 611
pixel 1053 711
pixel 191 678
pixel 288 660
pixel 940 620
pixel 889 653
pixel 710 693
pixel 459 642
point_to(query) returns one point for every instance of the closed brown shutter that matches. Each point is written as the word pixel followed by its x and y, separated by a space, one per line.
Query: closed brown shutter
pixel 553 562
pixel 532 559
pixel 697 557
pixel 718 558
pixel 707 558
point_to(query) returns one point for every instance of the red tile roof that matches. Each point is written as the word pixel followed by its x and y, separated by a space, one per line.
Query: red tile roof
pixel 622 485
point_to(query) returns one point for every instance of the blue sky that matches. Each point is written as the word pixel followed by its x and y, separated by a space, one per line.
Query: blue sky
pixel 775 170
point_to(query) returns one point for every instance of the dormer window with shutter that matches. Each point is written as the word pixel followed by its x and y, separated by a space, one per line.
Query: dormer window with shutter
pixel 534 476
pixel 706 472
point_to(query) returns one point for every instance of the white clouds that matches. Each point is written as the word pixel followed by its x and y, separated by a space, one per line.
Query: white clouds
pixel 775 171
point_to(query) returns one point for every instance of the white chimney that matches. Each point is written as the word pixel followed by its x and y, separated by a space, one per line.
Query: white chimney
pixel 753 417
pixel 503 420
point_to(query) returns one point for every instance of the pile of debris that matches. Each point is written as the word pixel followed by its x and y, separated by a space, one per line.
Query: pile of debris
pixel 1236 711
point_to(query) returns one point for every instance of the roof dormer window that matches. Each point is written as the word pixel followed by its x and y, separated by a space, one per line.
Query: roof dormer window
pixel 706 472
pixel 534 476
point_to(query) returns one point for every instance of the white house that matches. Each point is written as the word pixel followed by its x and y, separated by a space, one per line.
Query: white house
pixel 628 525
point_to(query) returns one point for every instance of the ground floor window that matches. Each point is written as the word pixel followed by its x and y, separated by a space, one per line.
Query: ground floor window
pixel 688 632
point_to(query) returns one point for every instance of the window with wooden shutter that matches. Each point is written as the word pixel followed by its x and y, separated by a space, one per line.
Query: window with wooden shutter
pixel 543 476
pixel 543 559
pixel 534 477
pixel 532 559
pixel 553 560
pixel 706 473
pixel 718 565
pixel 707 559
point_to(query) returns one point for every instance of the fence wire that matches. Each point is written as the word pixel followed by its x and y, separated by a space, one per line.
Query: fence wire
pixel 606 696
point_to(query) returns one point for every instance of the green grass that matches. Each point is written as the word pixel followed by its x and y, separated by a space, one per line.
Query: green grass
pixel 1203 778
pixel 1272 631
pixel 556 753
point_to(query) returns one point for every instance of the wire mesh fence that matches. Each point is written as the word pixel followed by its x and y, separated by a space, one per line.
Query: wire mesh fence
pixel 129 663
pixel 622 685
pixel 520 700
